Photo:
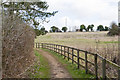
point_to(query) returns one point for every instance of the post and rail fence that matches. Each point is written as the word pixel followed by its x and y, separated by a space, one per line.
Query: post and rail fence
pixel 73 54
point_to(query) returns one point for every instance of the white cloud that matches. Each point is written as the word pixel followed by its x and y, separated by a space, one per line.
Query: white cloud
pixel 82 12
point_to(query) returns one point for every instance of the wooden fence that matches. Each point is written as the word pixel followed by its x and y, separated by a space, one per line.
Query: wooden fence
pixel 73 54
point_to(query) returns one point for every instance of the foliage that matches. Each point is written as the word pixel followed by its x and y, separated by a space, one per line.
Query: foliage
pixel 29 11
pixel 106 28
pixel 64 29
pixel 100 28
pixel 90 27
pixel 114 30
pixel 42 31
pixel 54 29
pixel 82 27
pixel 18 43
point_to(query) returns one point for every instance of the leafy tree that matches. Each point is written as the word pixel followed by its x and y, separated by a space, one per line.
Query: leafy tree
pixel 42 31
pixel 114 30
pixel 29 11
pixel 82 27
pixel 100 28
pixel 88 28
pixel 54 29
pixel 92 27
pixel 46 31
pixel 37 32
pixel 64 29
pixel 106 28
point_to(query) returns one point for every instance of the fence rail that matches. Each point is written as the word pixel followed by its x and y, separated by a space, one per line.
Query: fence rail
pixel 73 54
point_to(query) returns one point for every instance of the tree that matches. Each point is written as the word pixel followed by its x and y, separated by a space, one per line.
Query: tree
pixel 114 30
pixel 106 28
pixel 42 31
pixel 29 11
pixel 37 32
pixel 82 27
pixel 54 29
pixel 64 29
pixel 100 28
pixel 88 28
pixel 92 27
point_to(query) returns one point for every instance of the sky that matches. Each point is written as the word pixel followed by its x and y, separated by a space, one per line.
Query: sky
pixel 73 13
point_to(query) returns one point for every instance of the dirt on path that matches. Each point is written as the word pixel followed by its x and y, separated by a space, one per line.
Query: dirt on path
pixel 57 69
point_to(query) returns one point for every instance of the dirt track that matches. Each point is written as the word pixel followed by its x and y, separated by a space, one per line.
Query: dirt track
pixel 57 69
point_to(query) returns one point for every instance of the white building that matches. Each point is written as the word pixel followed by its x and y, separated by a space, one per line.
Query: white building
pixel 119 12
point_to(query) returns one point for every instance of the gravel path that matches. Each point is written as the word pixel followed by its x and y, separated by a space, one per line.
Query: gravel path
pixel 57 69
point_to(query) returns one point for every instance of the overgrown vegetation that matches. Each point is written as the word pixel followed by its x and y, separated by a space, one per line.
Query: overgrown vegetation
pixel 72 68
pixel 19 19
pixel 18 43
pixel 115 30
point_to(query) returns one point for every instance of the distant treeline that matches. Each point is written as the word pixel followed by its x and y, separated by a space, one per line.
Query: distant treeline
pixel 113 29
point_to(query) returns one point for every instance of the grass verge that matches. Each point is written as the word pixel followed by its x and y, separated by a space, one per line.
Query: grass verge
pixel 71 68
pixel 41 68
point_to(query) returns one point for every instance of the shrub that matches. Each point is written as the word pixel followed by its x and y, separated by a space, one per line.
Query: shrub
pixel 114 30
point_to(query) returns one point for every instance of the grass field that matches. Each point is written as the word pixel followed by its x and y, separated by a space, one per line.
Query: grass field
pixel 96 42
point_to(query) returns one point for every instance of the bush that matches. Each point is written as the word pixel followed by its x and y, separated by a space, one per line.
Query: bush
pixel 114 30
pixel 17 49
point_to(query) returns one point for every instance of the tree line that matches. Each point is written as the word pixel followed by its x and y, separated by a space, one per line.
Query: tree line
pixel 81 29
pixel 90 28
pixel 113 29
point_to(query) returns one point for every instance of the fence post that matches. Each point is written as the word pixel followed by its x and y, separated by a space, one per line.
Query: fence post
pixel 78 58
pixel 103 68
pixel 86 65
pixel 58 48
pixel 96 66
pixel 61 50
pixel 64 52
pixel 72 56
pixel 68 53
pixel 36 45
pixel 42 45
pixel 50 47
pixel 54 47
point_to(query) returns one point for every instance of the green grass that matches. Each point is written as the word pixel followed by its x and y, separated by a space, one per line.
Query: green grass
pixel 41 68
pixel 109 42
pixel 71 68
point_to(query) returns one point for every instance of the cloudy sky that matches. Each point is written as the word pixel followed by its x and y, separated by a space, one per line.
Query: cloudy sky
pixel 77 12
